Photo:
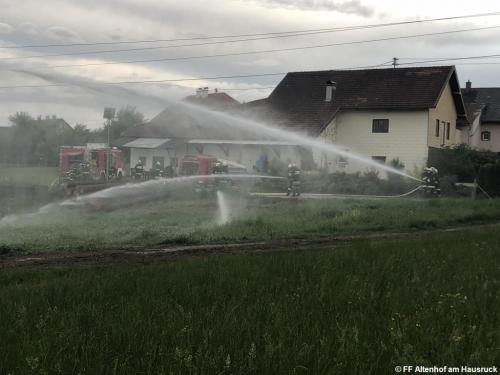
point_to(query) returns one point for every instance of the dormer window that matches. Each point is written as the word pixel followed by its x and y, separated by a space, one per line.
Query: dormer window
pixel 485 136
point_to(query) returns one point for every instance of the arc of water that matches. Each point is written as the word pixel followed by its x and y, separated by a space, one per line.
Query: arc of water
pixel 301 139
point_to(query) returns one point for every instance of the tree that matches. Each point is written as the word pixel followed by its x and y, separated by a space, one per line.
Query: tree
pixel 126 118
pixel 37 142
pixel 26 139
pixel 468 165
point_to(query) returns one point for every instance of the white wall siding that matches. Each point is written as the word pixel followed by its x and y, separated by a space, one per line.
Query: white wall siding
pixel 246 155
pixel 169 153
pixel 406 139
pixel 494 143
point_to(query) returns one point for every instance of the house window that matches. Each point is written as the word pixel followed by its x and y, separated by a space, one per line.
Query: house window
pixel 341 161
pixel 380 126
pixel 437 128
pixel 379 159
pixel 448 130
pixel 485 136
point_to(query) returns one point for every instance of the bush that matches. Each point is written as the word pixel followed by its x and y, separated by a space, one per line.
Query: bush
pixel 467 165
pixel 368 183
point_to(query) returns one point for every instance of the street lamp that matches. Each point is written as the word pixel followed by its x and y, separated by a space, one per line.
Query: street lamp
pixel 109 115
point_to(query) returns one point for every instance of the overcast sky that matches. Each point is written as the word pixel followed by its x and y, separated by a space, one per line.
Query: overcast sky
pixel 35 22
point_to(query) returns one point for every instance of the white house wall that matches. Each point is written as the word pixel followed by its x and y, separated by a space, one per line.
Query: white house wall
pixel 246 155
pixel 494 143
pixel 445 112
pixel 352 132
pixel 171 152
pixel 472 136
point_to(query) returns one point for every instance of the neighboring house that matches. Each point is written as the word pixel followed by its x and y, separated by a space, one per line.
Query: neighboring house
pixel 53 123
pixel 379 113
pixel 219 101
pixel 182 130
pixel 483 106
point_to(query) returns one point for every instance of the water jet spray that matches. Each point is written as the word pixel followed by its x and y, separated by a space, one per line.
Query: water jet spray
pixel 245 125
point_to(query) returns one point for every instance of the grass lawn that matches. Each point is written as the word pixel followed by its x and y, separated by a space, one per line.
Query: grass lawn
pixel 195 221
pixel 361 308
pixel 28 175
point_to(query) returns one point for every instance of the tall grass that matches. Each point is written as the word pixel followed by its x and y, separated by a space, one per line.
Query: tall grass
pixel 43 176
pixel 359 309
pixel 195 221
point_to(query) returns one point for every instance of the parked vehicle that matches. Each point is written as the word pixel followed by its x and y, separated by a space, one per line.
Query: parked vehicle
pixel 83 169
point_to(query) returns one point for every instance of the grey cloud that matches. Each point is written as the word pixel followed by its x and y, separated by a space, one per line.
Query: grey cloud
pixel 61 33
pixel 5 28
pixel 347 7
pixel 86 95
pixel 28 28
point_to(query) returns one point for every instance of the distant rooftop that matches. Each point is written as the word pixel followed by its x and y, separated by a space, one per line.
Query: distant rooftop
pixel 52 122
pixel 217 100
pixel 484 101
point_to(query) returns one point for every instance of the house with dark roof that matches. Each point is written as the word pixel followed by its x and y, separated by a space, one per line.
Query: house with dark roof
pixel 219 101
pixel 197 125
pixel 483 108
pixel 53 123
pixel 380 113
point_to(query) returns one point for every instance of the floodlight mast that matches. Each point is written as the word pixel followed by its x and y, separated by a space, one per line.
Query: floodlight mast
pixel 109 115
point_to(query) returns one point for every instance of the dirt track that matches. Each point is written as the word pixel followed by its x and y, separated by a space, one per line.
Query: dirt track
pixel 173 252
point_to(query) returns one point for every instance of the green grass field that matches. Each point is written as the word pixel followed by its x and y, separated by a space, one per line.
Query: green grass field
pixel 361 308
pixel 184 221
pixel 28 175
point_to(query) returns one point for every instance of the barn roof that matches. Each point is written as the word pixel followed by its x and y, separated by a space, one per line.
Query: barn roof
pixel 147 143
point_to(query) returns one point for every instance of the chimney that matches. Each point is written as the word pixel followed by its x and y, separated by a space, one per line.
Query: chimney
pixel 331 87
pixel 468 86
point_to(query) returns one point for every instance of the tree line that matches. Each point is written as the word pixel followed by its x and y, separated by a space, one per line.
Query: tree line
pixel 36 141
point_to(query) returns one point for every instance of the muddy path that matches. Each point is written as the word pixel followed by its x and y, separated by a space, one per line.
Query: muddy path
pixel 172 252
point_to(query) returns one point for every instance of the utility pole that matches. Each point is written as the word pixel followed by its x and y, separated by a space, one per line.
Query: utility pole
pixel 395 62
pixel 109 115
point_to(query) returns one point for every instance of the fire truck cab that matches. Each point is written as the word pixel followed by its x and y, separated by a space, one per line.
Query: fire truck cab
pixel 191 165
pixel 96 156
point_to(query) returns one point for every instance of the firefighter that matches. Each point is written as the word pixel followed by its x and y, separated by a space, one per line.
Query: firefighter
pixel 139 170
pixel 293 180
pixel 157 170
pixel 218 168
pixel 221 168
pixel 430 177
pixel 169 171
pixel 85 170
pixel 73 173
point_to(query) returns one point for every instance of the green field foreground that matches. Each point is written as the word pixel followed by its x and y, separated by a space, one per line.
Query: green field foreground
pixel 194 221
pixel 43 176
pixel 361 308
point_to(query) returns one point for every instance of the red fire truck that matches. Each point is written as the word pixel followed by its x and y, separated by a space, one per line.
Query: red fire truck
pixel 83 169
pixel 97 159
pixel 191 165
